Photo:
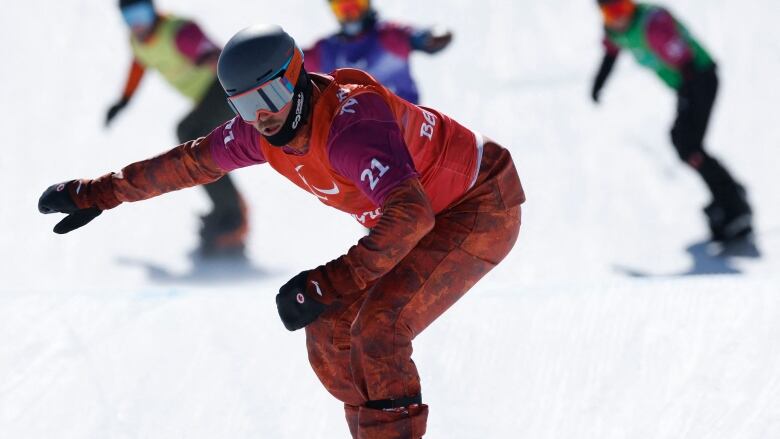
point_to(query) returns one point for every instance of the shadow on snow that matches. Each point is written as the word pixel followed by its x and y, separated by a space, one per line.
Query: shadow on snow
pixel 708 259
pixel 202 272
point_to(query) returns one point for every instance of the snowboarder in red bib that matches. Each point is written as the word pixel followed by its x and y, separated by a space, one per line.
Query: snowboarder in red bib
pixel 380 48
pixel 661 43
pixel 187 59
pixel 442 204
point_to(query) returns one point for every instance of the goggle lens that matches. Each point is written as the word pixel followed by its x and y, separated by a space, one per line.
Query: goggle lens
pixel 272 97
pixel 349 10
pixel 139 14
pixel 617 10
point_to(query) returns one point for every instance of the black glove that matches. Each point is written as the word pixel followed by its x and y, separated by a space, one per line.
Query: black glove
pixel 57 199
pixel 115 109
pixel 431 41
pixel 607 63
pixel 595 94
pixel 296 307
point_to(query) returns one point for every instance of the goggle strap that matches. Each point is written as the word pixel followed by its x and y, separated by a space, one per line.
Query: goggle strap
pixel 294 68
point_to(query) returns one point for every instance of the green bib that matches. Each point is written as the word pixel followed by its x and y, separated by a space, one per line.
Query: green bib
pixel 160 53
pixel 634 39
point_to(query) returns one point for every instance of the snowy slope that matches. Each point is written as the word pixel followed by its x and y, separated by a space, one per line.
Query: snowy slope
pixel 610 319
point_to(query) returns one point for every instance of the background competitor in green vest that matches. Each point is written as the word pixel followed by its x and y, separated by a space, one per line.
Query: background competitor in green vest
pixel 661 43
pixel 186 58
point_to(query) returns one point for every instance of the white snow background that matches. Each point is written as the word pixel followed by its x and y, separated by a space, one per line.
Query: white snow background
pixel 610 318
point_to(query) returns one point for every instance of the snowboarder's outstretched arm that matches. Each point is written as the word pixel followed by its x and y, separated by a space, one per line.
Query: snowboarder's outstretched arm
pixel 432 40
pixel 186 165
pixel 611 53
pixel 230 146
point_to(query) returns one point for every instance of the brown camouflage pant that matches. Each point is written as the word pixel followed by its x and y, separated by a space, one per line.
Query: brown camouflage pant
pixel 361 348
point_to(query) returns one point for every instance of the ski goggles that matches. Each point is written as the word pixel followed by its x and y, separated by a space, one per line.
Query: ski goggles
pixel 617 10
pixel 271 96
pixel 139 14
pixel 349 10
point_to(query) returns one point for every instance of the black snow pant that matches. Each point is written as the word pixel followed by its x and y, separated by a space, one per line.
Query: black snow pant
pixel 209 113
pixel 696 97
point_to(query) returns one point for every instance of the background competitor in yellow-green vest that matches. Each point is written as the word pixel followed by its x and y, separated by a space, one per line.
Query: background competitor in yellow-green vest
pixel 179 50
pixel 661 43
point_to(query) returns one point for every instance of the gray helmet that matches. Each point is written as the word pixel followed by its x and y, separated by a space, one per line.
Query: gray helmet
pixel 254 56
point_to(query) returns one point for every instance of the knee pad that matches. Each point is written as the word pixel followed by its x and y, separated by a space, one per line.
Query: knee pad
pixel 408 422
pixel 390 404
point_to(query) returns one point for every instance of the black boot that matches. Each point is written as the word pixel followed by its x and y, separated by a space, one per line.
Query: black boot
pixel 732 220
pixel 222 234
pixel 223 231
pixel 729 214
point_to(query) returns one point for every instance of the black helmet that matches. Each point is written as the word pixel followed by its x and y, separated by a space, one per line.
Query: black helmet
pixel 257 55
pixel 125 3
